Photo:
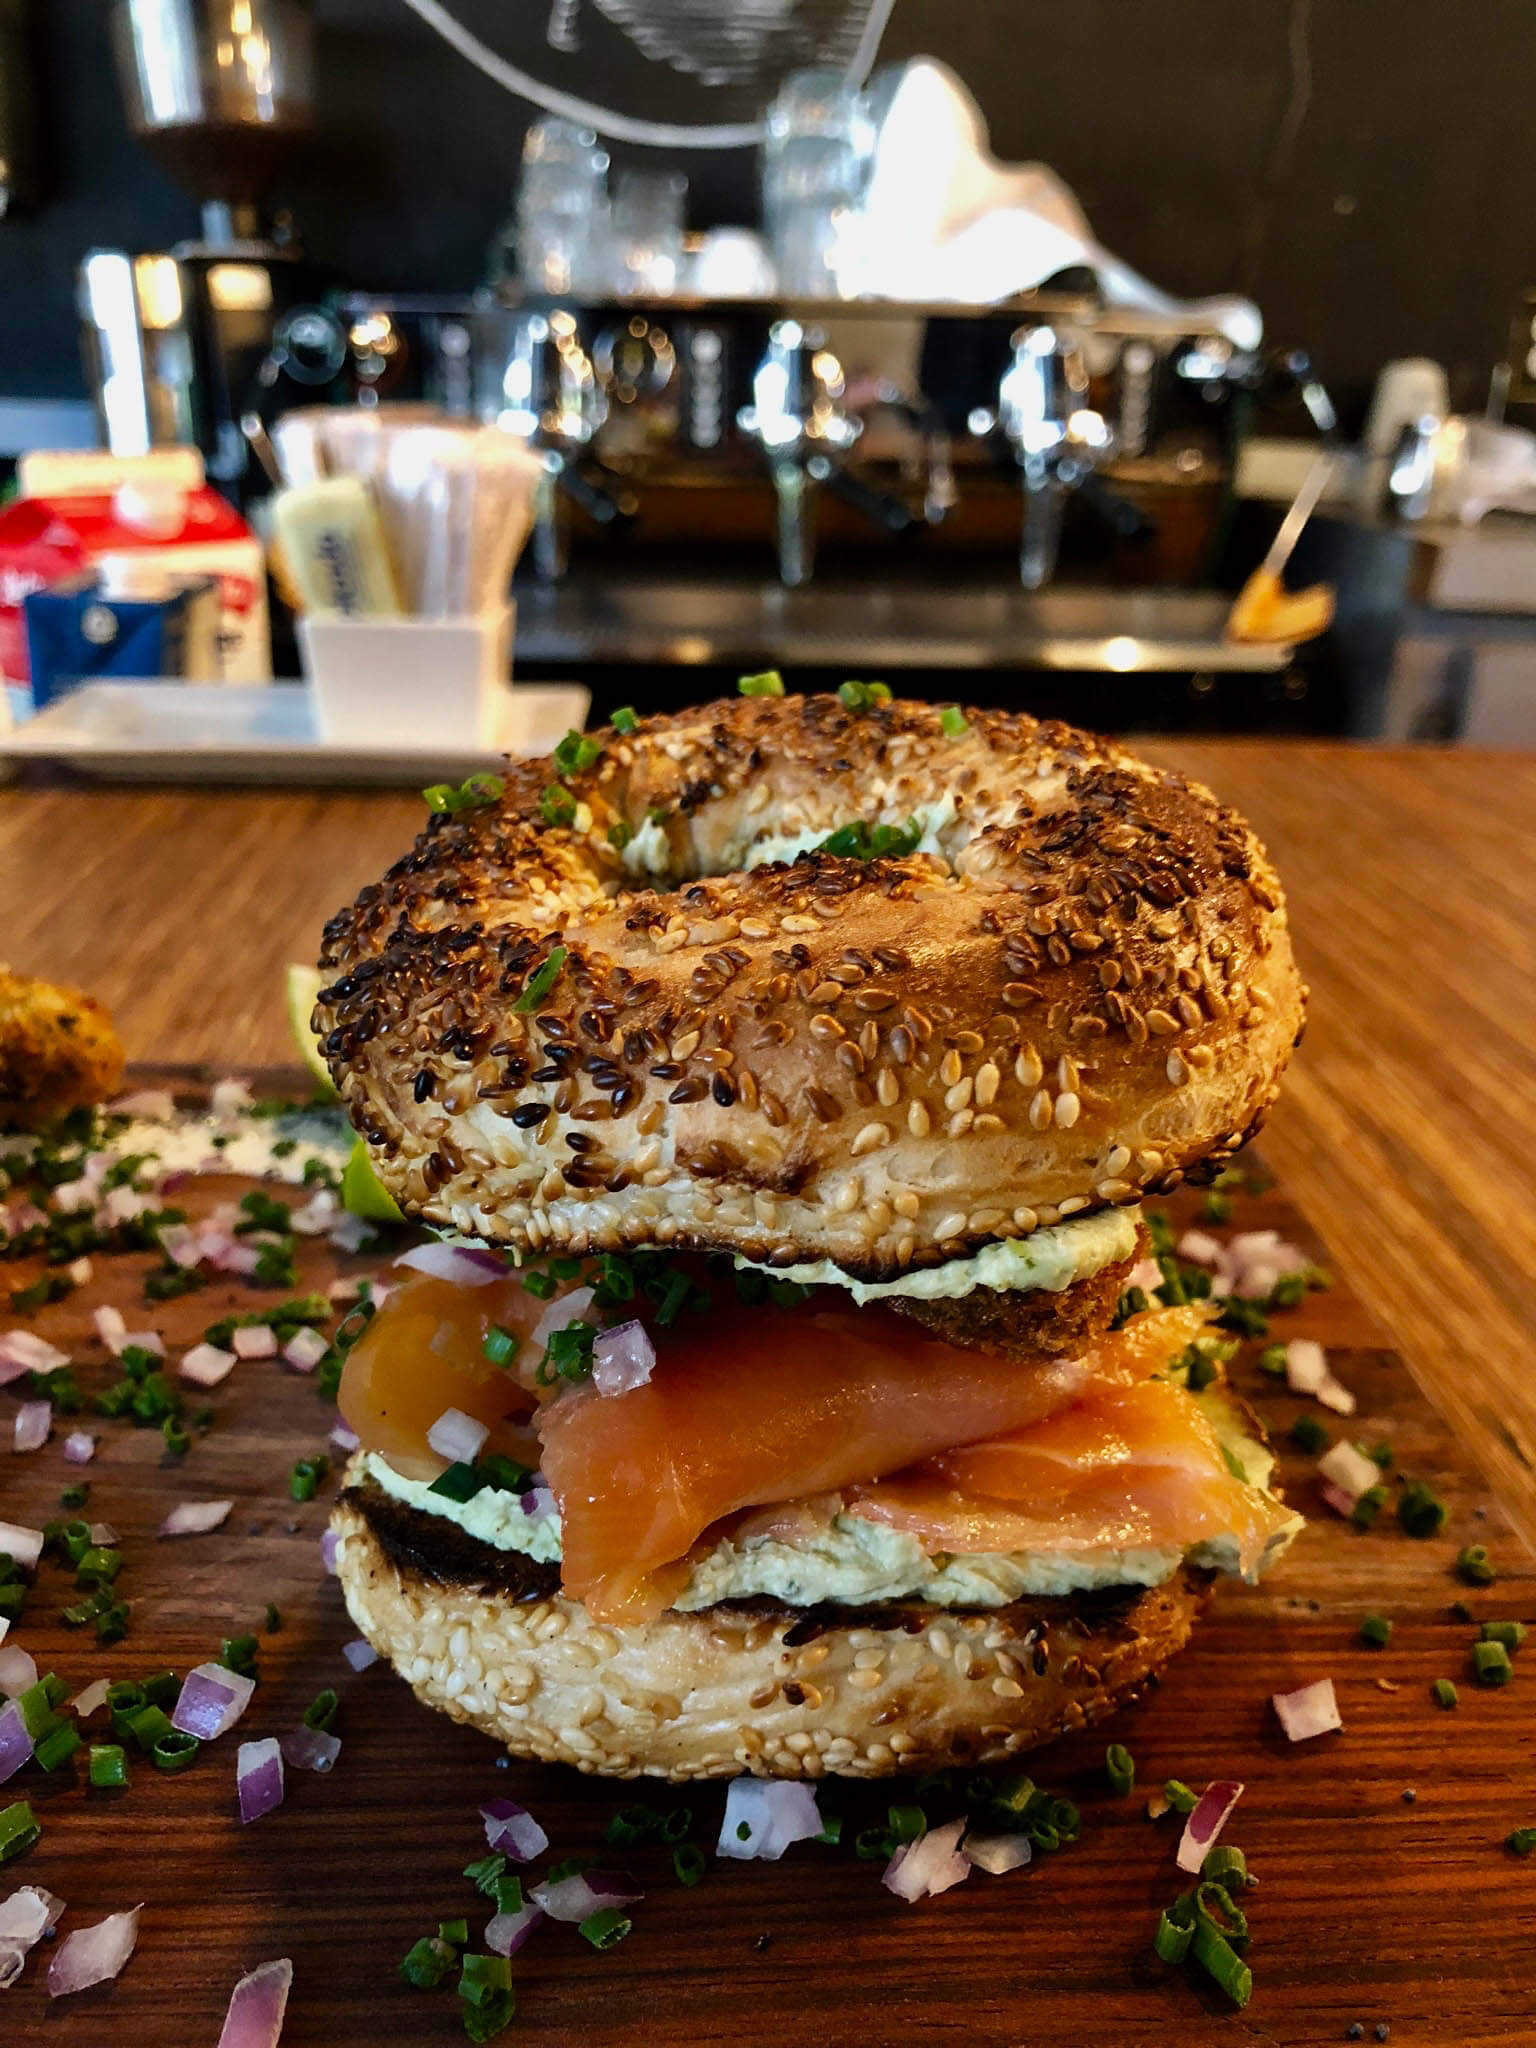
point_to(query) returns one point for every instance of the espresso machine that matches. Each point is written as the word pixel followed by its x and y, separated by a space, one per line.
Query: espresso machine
pixel 181 345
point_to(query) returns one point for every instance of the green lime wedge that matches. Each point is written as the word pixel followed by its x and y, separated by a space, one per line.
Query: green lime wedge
pixel 302 986
pixel 363 1192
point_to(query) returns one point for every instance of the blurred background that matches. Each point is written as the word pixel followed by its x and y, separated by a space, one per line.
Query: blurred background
pixel 623 346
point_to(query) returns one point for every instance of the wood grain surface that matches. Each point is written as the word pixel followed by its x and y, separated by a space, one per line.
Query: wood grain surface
pixel 1370 1909
pixel 1408 1126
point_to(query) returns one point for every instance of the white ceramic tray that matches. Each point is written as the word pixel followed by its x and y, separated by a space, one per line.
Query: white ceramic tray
pixel 202 732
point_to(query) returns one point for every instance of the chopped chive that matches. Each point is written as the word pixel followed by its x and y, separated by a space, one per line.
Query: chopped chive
pixel 688 1863
pixel 454 1931
pixel 1288 1291
pixel 148 1725
pixel 632 1824
pixel 1217 1957
pixel 541 981
pixel 174 1751
pixel 483 1977
pixel 605 1928
pixel 1474 1567
pixel 508 1894
pixel 499 1345
pixel 1271 1360
pixel 427 1963
pixel 1443 1693
pixel 576 753
pixel 1120 1769
pixel 1520 1841
pixel 75 1496
pixel 486 1874
pixel 1216 1908
pixel 1460 1611
pixel 624 719
pixel 98 1566
pixel 905 1823
pixel 1309 1435
pixel 1376 1630
pixel 112 1625
pixel 1420 1511
pixel 1370 1504
pixel 161 1688
pixel 743 1831
pixel 57 1746
pixel 1179 1796
pixel 322 1710
pixel 238 1653
pixel 18 1830
pixel 953 722
pixel 871 1845
pixel 1381 1454
pixel 36 1708
pixel 769 684
pixel 1510 1633
pixel 458 1483
pixel 1216 1208
pixel 1491 1665
pixel 619 834
pixel 831 1829
pixel 273 1620
pixel 108 1765
pixel 557 806
pixel 1175 1932
pixel 675 1825
pixel 1226 1867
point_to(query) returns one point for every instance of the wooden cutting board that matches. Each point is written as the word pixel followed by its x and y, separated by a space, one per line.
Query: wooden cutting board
pixel 1370 1909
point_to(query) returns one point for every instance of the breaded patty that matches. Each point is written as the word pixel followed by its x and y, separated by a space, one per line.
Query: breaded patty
pixel 58 1051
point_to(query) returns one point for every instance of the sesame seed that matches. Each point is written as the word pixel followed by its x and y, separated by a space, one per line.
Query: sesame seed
pixel 1068 1109
pixel 918 1120
pixel 1040 1109
pixel 870 1139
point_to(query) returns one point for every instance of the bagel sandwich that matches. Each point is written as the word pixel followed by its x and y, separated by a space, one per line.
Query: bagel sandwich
pixel 783 1078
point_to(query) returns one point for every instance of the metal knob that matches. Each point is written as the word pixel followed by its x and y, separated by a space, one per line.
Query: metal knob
pixel 1056 436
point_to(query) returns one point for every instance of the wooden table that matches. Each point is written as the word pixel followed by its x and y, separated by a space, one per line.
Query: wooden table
pixel 1406 1133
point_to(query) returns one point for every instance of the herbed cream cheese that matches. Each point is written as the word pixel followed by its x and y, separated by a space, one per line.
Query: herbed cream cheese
pixel 1051 1259
pixel 854 1562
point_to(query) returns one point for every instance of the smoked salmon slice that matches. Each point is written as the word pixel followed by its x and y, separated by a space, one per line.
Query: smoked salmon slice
pixel 1132 1465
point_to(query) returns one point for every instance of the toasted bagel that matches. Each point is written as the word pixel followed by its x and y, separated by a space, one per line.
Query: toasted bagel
pixel 757 1686
pixel 1086 992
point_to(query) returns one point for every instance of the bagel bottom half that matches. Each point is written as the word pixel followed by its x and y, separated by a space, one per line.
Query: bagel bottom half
pixel 757 1686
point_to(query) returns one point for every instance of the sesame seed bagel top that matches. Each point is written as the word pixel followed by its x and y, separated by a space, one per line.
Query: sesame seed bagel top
pixel 1083 992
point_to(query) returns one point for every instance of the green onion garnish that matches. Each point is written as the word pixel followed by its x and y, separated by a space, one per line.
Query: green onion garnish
pixel 1309 1435
pixel 1370 1504
pixel 1443 1693
pixel 273 1619
pixel 468 795
pixel 557 806
pixel 1520 1841
pixel 1217 1957
pixel 905 1823
pixel 541 981
pixel 174 1751
pixel 1216 1208
pixel 1120 1769
pixel 1288 1291
pixel 576 753
pixel 1271 1360
pixel 863 696
pixel 632 1824
pixel 322 1710
pixel 1226 1867
pixel 1382 1454
pixel 238 1653
pixel 57 1746
pixel 486 1874
pixel 458 1483
pixel 454 1931
pixel 161 1688
pixel 1179 1796
pixel 112 1625
pixel 831 1829
pixel 605 1928
pixel 1510 1633
pixel 1490 1663
pixel 483 1977
pixel 1376 1630
pixel 1420 1511
pixel 1175 1932
pixel 499 1345
pixel 860 841
pixel 688 1863
pixel 953 722
pixel 18 1830
pixel 75 1496
pixel 1474 1566
pixel 427 1963
pixel 148 1725
pixel 108 1765
pixel 624 719
pixel 769 684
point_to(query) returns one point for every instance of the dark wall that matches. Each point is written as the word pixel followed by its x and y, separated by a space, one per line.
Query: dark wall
pixel 1361 167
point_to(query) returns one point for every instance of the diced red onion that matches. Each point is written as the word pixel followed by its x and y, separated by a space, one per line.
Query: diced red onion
pixel 350 1233
pixel 157 1104
pixel 259 1340
pixel 79 1271
pixel 457 1436
pixel 123 1205
pixel 211 1701
pixel 506 1933
pixel 24 1919
pixel 1206 1821
pixel 31 1425
pixel 256 2007
pixel 90 1700
pixel 305 1349
pixel 259 1777
pixel 205 1365
pixel 774 1812
pixel 79 1447
pixel 512 1830
pixel 1145 1274
pixel 1309 1710
pixel 1332 1394
pixel 1348 1469
pixel 110 1328
pixel 997 1854
pixel 622 1358
pixel 343 1438
pixel 359 1653
pixel 316 1216
pixel 24 1545
pixel 5 1626
pixel 539 1500
pixel 1306 1365
pixel 1335 1497
pixel 931 1864
pixel 93 1954
pixel 71 1196
pixel 15 1742
pixel 17 1670
pixel 311 1749
pixel 181 1244
pixel 464 1265
pixel 230 1097
pixel 1199 1247
pixel 330 1543
pixel 565 1308
pixel 579 1896
pixel 24 1348
pixel 239 1257
pixel 345 1289
pixel 195 1517
pixel 103 1533
pixel 145 1340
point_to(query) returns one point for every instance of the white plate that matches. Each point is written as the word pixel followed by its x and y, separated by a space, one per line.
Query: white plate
pixel 211 732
